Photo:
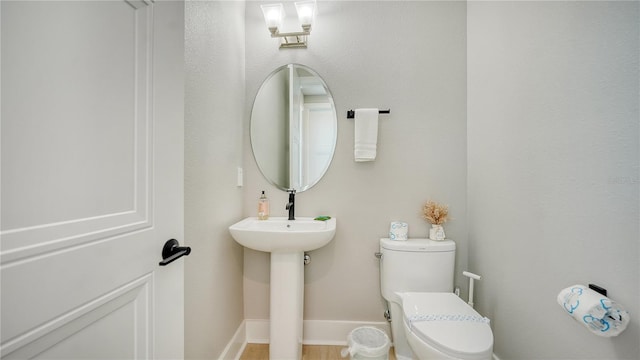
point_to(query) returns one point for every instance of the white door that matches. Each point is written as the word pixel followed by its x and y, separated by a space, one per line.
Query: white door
pixel 92 179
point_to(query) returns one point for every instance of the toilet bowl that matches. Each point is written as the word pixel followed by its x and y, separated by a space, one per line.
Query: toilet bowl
pixel 428 321
pixel 443 326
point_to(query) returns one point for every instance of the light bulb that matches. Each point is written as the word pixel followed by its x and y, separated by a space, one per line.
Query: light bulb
pixel 273 15
pixel 306 12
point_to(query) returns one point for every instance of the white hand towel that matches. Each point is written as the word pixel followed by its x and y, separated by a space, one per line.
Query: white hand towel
pixel 366 134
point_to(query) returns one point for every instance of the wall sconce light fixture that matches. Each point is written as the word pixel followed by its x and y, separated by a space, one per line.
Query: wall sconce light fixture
pixel 274 15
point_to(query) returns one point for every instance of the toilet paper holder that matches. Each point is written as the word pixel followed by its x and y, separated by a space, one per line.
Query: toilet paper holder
pixel 592 309
pixel 598 289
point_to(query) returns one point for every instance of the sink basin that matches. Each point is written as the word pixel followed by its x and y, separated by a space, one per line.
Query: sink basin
pixel 277 234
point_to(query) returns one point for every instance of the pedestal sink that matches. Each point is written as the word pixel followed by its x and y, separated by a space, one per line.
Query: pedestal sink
pixel 286 240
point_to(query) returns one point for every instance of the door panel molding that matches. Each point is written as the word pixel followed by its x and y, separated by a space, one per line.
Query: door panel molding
pixel 20 243
pixel 136 293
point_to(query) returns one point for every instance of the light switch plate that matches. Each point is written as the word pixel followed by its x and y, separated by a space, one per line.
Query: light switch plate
pixel 240 179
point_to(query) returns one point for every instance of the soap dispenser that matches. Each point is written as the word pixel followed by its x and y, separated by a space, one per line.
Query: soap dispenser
pixel 263 207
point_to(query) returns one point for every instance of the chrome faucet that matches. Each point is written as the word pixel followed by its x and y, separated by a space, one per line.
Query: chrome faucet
pixel 292 204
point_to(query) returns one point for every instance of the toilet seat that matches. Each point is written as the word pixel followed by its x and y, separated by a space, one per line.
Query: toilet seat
pixel 448 324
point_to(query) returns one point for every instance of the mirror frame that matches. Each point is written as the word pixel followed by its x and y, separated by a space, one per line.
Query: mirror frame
pixel 262 167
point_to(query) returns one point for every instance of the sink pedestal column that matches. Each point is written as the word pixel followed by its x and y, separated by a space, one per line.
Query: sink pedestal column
pixel 286 307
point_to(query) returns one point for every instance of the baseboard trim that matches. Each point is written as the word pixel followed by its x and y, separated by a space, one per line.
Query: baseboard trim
pixel 257 331
pixel 236 345
pixel 315 332
pixel 335 332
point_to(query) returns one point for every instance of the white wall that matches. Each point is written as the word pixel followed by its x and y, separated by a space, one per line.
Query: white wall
pixel 407 56
pixel 214 112
pixel 553 159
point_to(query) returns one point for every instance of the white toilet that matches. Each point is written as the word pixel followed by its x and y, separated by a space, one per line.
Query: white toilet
pixel 428 321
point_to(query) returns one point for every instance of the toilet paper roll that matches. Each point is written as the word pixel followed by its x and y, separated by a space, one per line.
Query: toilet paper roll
pixel 596 312
pixel 399 230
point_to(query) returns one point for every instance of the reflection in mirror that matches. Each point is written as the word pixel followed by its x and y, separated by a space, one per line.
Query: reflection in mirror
pixel 293 128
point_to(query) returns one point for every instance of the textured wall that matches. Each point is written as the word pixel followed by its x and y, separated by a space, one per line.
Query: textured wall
pixel 407 56
pixel 553 93
pixel 214 110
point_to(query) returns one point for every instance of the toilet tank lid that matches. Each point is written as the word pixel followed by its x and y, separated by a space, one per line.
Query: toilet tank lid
pixel 418 245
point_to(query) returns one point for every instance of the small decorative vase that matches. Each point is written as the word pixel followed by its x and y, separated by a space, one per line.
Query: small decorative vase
pixel 436 232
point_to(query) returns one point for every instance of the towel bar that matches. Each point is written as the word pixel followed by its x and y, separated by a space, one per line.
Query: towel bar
pixel 351 113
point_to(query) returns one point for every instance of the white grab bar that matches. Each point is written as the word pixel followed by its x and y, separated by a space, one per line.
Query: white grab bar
pixel 471 277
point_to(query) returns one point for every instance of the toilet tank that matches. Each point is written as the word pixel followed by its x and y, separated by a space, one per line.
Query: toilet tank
pixel 417 265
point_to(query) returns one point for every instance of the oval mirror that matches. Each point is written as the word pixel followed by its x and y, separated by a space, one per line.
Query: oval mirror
pixel 293 128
